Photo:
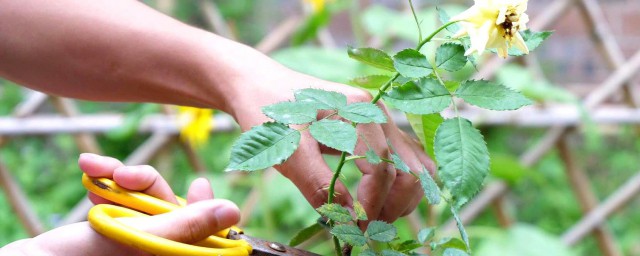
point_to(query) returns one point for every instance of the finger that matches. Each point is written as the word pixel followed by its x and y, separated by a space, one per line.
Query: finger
pixel 192 223
pixel 419 151
pixel 146 179
pixel 405 194
pixel 308 171
pixel 199 190
pixel 96 199
pixel 98 166
pixel 377 179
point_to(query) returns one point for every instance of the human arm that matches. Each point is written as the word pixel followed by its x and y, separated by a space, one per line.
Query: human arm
pixel 122 50
pixel 202 217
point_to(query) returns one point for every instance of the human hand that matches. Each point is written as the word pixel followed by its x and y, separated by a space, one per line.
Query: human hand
pixel 385 194
pixel 202 217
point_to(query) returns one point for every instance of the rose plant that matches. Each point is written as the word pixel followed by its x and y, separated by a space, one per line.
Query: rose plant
pixel 422 87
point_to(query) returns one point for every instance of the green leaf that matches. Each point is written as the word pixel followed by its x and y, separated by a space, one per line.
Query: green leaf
pixel 263 146
pixel 466 43
pixel 367 252
pixel 387 252
pixel 489 95
pixel 349 234
pixel 372 157
pixel 449 242
pixel 444 18
pixel 431 190
pixel 320 62
pixel 363 112
pixel 450 57
pixel 335 134
pixel 373 82
pixel 291 112
pixel 411 63
pixel 426 96
pixel 454 252
pixel 532 40
pixel 463 158
pixel 305 234
pixel 397 161
pixel 373 57
pixel 425 127
pixel 407 246
pixel 335 212
pixel 452 85
pixel 426 234
pixel 381 231
pixel 463 232
pixel 321 98
pixel 360 213
pixel 507 167
pixel 399 164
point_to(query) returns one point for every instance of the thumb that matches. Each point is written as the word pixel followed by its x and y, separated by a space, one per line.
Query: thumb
pixel 192 223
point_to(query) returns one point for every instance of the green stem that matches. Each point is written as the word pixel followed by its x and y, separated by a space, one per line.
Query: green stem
pixel 384 88
pixel 386 85
pixel 349 158
pixel 343 155
pixel 332 186
pixel 428 38
pixel 336 245
pixel 415 17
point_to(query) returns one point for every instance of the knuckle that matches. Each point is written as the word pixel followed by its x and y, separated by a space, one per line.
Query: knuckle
pixel 319 196
pixel 194 228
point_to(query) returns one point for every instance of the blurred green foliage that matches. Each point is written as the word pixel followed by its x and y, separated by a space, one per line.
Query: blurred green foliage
pixel 45 166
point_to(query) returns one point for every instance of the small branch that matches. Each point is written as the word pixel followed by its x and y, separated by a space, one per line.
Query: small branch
pixel 415 17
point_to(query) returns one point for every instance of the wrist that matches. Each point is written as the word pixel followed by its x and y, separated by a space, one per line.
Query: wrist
pixel 236 74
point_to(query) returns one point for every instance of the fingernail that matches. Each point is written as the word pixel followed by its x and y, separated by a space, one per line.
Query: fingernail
pixel 227 215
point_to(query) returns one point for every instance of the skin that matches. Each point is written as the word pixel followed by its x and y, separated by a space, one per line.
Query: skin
pixel 202 216
pixel 122 50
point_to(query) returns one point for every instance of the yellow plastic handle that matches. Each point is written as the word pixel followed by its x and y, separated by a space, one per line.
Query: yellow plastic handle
pixel 102 219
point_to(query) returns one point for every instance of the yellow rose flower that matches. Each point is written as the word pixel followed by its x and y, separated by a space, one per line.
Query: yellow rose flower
pixel 195 124
pixel 494 24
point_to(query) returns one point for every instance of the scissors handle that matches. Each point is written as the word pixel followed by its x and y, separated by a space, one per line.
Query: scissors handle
pixel 102 219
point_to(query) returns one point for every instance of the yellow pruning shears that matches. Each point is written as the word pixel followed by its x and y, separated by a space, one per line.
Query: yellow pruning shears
pixel 228 242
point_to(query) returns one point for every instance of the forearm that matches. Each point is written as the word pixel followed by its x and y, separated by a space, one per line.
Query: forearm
pixel 117 50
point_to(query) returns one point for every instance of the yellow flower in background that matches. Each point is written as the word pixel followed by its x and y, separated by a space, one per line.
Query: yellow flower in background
pixel 494 24
pixel 196 124
pixel 316 5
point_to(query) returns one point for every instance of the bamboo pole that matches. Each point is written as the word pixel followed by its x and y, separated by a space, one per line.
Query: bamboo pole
pixel 586 197
pixel 20 203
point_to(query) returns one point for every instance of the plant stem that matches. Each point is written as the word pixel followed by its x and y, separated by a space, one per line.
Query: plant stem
pixel 332 186
pixel 375 99
pixel 384 87
pixel 336 245
pixel 415 17
pixel 343 155
pixel 349 158
pixel 428 38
